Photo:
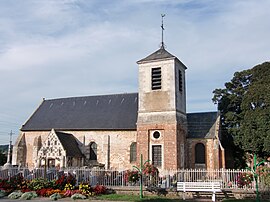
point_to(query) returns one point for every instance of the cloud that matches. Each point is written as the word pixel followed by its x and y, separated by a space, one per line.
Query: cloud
pixel 77 47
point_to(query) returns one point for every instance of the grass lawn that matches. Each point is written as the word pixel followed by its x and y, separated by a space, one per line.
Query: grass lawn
pixel 244 200
pixel 136 198
pixel 119 197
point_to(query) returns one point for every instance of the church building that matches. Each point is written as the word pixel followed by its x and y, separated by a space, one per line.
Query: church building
pixel 112 131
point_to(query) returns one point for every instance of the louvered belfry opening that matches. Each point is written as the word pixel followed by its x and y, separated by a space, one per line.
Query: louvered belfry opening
pixel 156 78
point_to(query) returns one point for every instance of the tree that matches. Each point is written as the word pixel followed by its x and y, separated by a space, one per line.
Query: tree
pixel 244 105
pixel 3 158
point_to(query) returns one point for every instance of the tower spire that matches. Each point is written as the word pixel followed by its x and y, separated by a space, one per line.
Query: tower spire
pixel 162 29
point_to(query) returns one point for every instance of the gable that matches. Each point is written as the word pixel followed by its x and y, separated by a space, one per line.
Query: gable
pixel 105 112
pixel 57 143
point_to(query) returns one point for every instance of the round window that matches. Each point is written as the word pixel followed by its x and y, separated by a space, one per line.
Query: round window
pixel 156 134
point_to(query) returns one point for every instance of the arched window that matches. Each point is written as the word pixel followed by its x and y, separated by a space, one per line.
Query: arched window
pixel 200 153
pixel 93 151
pixel 133 152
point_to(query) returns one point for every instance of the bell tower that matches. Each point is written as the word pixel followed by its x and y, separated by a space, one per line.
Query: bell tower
pixel 161 123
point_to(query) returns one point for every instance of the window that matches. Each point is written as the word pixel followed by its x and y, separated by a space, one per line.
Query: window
pixel 133 152
pixel 200 153
pixel 156 78
pixel 93 151
pixel 156 155
pixel 156 134
pixel 180 80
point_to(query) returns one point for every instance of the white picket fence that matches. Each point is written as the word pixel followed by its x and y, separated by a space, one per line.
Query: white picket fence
pixel 229 179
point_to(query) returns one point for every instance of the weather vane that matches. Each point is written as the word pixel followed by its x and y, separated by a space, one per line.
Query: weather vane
pixel 162 29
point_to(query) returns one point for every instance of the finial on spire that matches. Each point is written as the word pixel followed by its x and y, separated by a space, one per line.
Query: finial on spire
pixel 162 29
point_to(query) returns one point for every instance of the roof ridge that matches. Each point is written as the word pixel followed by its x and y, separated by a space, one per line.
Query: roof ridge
pixel 87 96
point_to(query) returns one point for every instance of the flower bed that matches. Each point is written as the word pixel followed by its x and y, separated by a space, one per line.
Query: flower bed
pixel 19 188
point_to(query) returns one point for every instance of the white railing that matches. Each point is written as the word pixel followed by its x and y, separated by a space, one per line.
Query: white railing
pixel 229 179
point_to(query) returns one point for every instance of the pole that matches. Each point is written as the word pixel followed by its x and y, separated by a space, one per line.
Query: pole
pixel 141 180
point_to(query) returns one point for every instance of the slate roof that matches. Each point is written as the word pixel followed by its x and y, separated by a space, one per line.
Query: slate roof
pixel 160 54
pixel 112 112
pixel 105 112
pixel 201 125
pixel 70 144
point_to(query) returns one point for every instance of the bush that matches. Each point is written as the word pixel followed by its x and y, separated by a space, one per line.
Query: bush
pixel 55 196
pixel 15 195
pixel 2 193
pixel 28 195
pixel 78 196
pixel 132 176
pixel 86 189
pixel 264 176
pixel 15 183
pixel 244 180
pixel 99 189
pixel 150 169
pixel 40 183
pixel 61 182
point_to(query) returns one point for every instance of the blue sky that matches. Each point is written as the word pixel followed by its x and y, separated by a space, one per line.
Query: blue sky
pixel 62 48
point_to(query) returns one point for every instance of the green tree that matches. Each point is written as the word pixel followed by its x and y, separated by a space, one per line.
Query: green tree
pixel 3 158
pixel 244 105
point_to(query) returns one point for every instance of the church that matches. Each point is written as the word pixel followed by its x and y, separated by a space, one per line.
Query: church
pixel 112 131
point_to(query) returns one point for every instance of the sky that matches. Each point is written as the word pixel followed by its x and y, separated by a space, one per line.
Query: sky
pixel 65 48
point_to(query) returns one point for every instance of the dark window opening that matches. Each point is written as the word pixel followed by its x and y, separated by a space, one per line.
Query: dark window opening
pixel 180 80
pixel 156 134
pixel 156 78
pixel 133 152
pixel 156 155
pixel 93 151
pixel 200 153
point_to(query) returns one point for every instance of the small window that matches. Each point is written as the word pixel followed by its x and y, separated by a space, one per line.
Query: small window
pixel 156 155
pixel 133 152
pixel 93 151
pixel 156 78
pixel 200 153
pixel 180 80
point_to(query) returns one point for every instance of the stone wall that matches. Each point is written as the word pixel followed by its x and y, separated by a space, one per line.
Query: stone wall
pixel 211 153
pixel 113 147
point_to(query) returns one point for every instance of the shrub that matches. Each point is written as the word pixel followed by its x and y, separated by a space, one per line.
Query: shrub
pixel 264 175
pixel 244 180
pixel 2 193
pixel 15 195
pixel 77 196
pixel 86 189
pixel 150 169
pixel 69 193
pixel 132 176
pixel 42 192
pixel 55 196
pixel 40 183
pixel 28 195
pixel 65 179
pixel 99 189
pixel 14 183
